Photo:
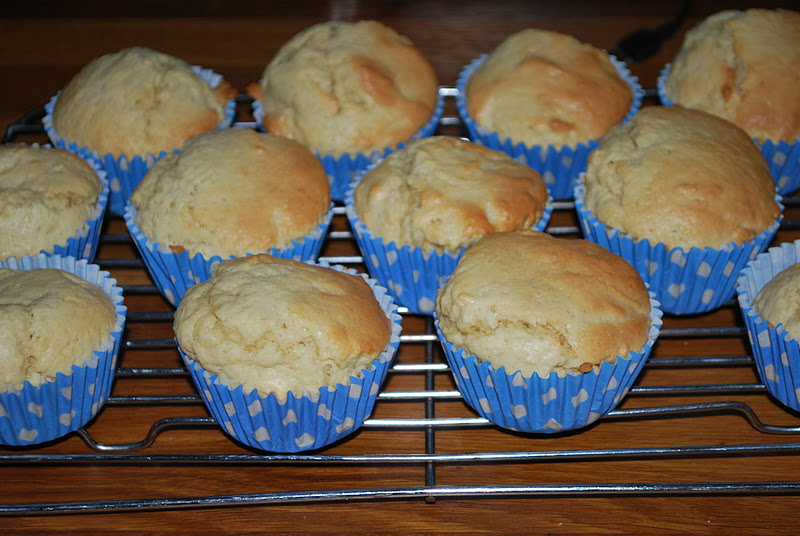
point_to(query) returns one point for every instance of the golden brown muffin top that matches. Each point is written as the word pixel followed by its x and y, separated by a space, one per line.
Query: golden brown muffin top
pixel 52 320
pixel 545 88
pixel 279 325
pixel 530 302
pixel 348 87
pixel 444 193
pixel 231 192
pixel 743 66
pixel 137 101
pixel 682 177
pixel 778 302
pixel 46 196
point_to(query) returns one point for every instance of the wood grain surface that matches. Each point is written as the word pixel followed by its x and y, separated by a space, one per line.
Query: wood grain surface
pixel 43 44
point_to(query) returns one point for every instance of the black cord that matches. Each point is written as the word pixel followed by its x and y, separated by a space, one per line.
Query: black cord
pixel 645 42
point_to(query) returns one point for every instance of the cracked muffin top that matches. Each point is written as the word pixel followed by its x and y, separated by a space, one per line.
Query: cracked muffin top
pixel 137 101
pixel 344 87
pixel 682 177
pixel 546 88
pixel 52 320
pixel 743 66
pixel 278 325
pixel 232 192
pixel 533 303
pixel 444 193
pixel 46 196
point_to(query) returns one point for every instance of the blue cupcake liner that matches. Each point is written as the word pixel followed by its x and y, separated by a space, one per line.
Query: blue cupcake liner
pixel 173 273
pixel 782 157
pixel 410 274
pixel 685 282
pixel 37 414
pixel 556 403
pixel 126 172
pixel 344 168
pixel 83 244
pixel 776 353
pixel 305 422
pixel 559 166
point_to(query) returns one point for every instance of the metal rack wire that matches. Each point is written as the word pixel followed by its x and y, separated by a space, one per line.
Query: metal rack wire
pixel 427 366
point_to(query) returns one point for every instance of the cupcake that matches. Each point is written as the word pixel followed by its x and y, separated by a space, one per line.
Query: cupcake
pixel 227 193
pixel 350 91
pixel 51 201
pixel 686 198
pixel 544 334
pixel 59 339
pixel 742 66
pixel 767 289
pixel 288 356
pixel 415 212
pixel 545 98
pixel 132 107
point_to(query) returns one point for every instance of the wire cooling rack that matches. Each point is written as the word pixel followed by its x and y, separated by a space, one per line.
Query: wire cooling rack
pixel 429 409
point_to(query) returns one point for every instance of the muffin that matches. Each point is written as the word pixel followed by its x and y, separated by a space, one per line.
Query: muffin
pixel 767 290
pixel 544 334
pixel 63 321
pixel 288 356
pixel 742 66
pixel 350 91
pixel 545 98
pixel 228 193
pixel 415 212
pixel 132 107
pixel 684 196
pixel 51 201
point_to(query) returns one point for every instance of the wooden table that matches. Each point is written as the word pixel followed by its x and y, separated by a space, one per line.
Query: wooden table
pixel 689 472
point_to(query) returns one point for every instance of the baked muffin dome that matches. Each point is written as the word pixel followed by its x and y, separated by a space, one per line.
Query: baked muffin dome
pixel 278 325
pixel 46 196
pixel 681 177
pixel 530 302
pixel 232 192
pixel 137 101
pixel 52 320
pixel 444 193
pixel 545 88
pixel 777 302
pixel 743 66
pixel 344 87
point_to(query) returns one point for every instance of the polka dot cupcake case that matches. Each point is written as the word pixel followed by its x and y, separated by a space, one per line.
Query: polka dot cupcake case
pixel 343 169
pixel 546 405
pixel 37 414
pixel 685 282
pixel 783 157
pixel 173 273
pixel 411 275
pixel 125 172
pixel 559 166
pixel 776 353
pixel 305 422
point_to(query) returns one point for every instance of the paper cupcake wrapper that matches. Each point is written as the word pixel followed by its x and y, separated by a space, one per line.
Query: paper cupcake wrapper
pixel 411 275
pixel 126 172
pixel 344 168
pixel 776 353
pixel 173 273
pixel 685 282
pixel 551 404
pixel 83 244
pixel 299 423
pixel 37 414
pixel 782 157
pixel 559 166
